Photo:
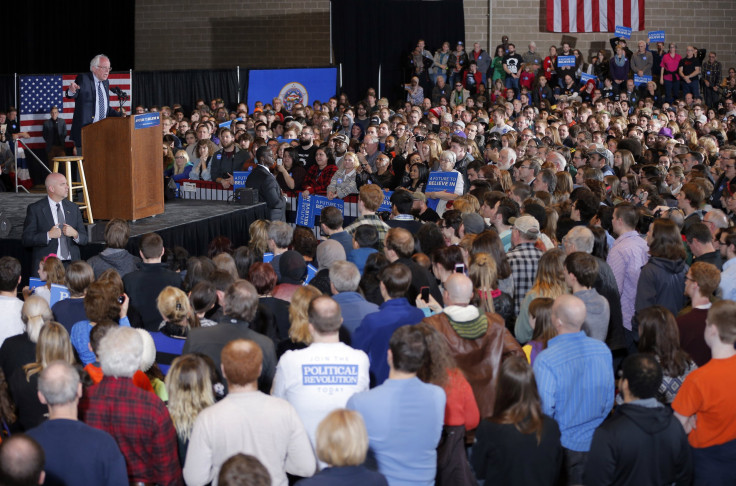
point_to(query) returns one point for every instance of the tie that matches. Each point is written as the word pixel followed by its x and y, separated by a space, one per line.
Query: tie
pixel 63 245
pixel 101 102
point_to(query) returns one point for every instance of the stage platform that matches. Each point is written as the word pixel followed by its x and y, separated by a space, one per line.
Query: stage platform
pixel 191 224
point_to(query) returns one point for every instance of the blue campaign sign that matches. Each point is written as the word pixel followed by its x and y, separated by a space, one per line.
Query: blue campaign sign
pixel 228 123
pixel 311 272
pixel 656 36
pixel 58 292
pixel 386 205
pixel 240 177
pixel 34 282
pixel 267 257
pixel 440 181
pixel 584 77
pixel 565 61
pixel 639 80
pixel 291 85
pixel 147 120
pixel 320 202
pixel 624 32
pixel 304 211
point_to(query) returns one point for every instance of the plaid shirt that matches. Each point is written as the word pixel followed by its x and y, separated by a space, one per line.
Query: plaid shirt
pixel 373 220
pixel 524 260
pixel 711 72
pixel 316 181
pixel 140 424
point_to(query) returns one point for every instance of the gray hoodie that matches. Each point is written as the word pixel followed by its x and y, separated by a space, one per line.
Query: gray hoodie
pixel 597 314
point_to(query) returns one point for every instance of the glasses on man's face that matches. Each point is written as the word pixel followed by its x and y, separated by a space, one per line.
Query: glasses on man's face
pixel 105 68
pixel 524 167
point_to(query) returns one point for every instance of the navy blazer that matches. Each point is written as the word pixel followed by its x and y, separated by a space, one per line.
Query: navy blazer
pixel 84 106
pixel 39 221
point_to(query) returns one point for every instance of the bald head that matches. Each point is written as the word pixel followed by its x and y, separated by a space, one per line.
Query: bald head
pixel 56 186
pixel 568 314
pixel 459 289
pixel 324 315
pixel 21 461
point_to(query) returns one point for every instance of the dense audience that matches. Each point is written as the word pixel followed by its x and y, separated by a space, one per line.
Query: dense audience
pixel 562 314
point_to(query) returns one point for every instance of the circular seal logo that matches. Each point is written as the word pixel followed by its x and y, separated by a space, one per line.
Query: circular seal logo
pixel 293 93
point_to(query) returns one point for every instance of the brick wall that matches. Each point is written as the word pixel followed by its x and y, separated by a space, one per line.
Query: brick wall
pixel 193 34
pixel 705 24
pixel 189 34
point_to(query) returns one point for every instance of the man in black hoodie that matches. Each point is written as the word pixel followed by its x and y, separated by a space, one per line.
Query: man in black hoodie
pixel 643 443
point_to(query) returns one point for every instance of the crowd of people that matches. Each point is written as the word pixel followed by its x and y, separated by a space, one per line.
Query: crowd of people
pixel 565 314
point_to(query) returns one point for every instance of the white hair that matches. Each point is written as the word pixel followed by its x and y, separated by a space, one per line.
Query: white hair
pixel 582 237
pixel 120 352
pixel 344 276
pixel 96 61
pixel 149 350
pixel 58 383
pixel 512 154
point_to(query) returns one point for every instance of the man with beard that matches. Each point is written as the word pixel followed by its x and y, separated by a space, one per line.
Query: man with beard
pixel 341 148
pixel 441 90
pixel 307 150
pixel 227 160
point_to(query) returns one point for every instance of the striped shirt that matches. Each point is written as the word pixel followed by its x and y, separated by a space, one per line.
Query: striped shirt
pixel 629 253
pixel 374 220
pixel 575 381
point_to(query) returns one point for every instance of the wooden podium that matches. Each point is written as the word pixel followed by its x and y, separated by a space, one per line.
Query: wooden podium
pixel 124 167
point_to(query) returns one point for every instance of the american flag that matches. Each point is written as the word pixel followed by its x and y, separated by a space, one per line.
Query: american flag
pixel 594 15
pixel 39 93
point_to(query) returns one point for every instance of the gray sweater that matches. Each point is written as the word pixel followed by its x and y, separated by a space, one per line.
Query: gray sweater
pixel 597 314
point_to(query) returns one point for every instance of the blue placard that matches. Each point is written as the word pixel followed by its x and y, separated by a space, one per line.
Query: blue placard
pixel 441 181
pixel 320 202
pixel 386 205
pixel 34 282
pixel 58 292
pixel 147 120
pixel 656 36
pixel 239 178
pixel 267 257
pixel 565 61
pixel 311 272
pixel 291 85
pixel 639 80
pixel 584 77
pixel 229 123
pixel 304 211
pixel 624 32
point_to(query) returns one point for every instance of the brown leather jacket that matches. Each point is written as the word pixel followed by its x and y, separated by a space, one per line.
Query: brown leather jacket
pixel 480 359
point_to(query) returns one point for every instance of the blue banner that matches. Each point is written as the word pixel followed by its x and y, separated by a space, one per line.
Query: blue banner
pixel 291 85
pixel 240 177
pixel 311 272
pixel 146 120
pixel 624 32
pixel 58 292
pixel 565 61
pixel 308 208
pixel 639 80
pixel 440 181
pixel 267 257
pixel 229 123
pixel 34 282
pixel 584 77
pixel 386 205
pixel 656 36
pixel 320 202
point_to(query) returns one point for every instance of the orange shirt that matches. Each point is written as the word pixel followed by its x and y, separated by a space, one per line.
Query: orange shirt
pixel 461 407
pixel 139 378
pixel 710 394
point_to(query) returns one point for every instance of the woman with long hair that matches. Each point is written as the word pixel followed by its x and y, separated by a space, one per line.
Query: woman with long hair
pixel 53 344
pixel 450 226
pixel 540 320
pixel 623 160
pixel 319 176
pixel 550 282
pixel 486 294
pixel 51 271
pixel 299 335
pixel 204 151
pixel 181 168
pixel 461 409
pixel 178 318
pixel 189 386
pixel 662 279
pixel 19 350
pixel 519 445
pixel 258 231
pixel 629 184
pixel 489 242
pixel 418 174
pixel 658 335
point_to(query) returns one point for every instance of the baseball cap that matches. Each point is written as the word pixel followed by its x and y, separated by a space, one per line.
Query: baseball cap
pixel 526 224
pixel 605 153
pixel 473 223
pixel 341 138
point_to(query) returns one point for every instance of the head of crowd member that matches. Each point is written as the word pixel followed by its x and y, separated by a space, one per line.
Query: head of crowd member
pixel 401 202
pixel 641 377
pixel 702 280
pixel 578 239
pixel 344 276
pixel 720 326
pixel 10 274
pixel 329 252
pixel 395 281
pixel 568 314
pixel 546 180
pixel 21 461
pixel 690 197
pixel 120 352
pixel 727 244
pixel 528 170
pixel 625 218
pixel 399 244
pixel 243 470
pixel 370 198
pixel 280 235
pixel 407 350
pixel 700 239
pixel 325 317
pixel 151 248
pixel 585 207
pixel 240 301
pixel 525 230
pixel 342 439
pixel 241 363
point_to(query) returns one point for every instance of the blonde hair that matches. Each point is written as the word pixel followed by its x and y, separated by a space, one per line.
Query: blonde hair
pixel 34 314
pixel 180 153
pixel 189 386
pixel 53 344
pixel 342 439
pixel 466 203
pixel 258 231
pixel 550 281
pixel 483 273
pixel 174 306
pixel 298 313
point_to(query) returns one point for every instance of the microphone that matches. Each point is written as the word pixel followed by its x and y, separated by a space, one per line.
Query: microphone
pixel 121 94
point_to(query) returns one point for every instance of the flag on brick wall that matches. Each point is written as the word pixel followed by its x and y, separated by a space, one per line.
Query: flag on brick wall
pixel 594 15
pixel 39 93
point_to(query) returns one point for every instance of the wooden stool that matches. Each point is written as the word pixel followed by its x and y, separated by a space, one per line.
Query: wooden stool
pixel 75 186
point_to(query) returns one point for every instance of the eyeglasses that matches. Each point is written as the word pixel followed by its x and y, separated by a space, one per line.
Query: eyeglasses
pixel 103 68
pixel 525 167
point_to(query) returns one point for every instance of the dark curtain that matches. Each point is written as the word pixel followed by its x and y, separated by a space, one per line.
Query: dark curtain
pixel 59 37
pixel 7 91
pixel 369 33
pixel 185 87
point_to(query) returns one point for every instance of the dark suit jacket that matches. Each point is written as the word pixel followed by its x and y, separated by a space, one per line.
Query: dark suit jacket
pixel 48 132
pixel 221 166
pixel 143 287
pixel 39 221
pixel 269 191
pixel 84 106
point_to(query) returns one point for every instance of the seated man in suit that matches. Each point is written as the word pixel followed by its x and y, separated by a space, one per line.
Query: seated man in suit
pixel 54 224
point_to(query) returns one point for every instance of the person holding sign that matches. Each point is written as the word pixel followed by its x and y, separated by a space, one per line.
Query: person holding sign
pixel 228 160
pixel 447 164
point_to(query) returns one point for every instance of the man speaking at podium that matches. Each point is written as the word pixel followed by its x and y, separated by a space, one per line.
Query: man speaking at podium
pixel 92 94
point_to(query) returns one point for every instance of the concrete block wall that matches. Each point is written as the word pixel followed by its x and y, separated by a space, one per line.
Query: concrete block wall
pixel 191 34
pixel 704 24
